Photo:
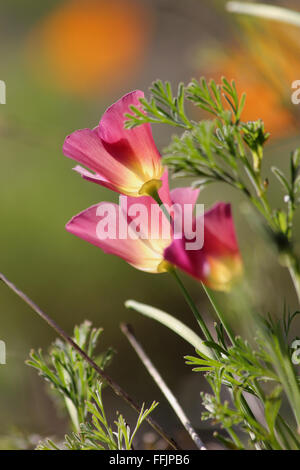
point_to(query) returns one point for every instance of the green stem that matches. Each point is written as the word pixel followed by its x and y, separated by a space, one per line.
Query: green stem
pixel 293 267
pixel 186 295
pixel 290 432
pixel 246 408
pixel 157 199
pixel 192 306
pixel 220 315
pixel 281 434
pixel 235 438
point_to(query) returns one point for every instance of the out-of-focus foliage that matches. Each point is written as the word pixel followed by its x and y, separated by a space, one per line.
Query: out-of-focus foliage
pixel 245 367
pixel 262 57
pixel 77 383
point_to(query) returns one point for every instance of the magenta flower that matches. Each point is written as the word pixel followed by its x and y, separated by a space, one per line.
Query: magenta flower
pixel 218 263
pixel 126 161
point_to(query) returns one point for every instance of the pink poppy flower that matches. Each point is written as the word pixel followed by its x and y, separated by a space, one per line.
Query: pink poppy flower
pixel 124 160
pixel 218 264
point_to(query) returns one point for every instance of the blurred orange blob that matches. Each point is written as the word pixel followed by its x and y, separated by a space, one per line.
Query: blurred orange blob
pixel 85 46
pixel 264 65
pixel 263 100
pixel 262 103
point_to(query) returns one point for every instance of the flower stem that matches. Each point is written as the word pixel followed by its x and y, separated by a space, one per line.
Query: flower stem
pixel 157 199
pixel 192 306
pixel 220 315
pixel 247 410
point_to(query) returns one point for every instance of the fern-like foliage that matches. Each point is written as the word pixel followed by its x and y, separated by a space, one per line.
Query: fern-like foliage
pixel 76 382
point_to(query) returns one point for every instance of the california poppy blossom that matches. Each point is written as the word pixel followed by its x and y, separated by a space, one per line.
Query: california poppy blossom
pixel 126 161
pixel 218 263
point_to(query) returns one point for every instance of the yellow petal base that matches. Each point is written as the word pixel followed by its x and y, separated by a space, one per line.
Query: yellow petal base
pixel 150 188
pixel 164 267
pixel 224 272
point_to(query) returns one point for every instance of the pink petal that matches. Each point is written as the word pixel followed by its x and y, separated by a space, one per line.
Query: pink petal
pixel 219 231
pixel 218 262
pixel 135 148
pixel 164 191
pixel 184 196
pixel 86 147
pixel 193 262
pixel 137 252
pixel 94 178
pixel 183 202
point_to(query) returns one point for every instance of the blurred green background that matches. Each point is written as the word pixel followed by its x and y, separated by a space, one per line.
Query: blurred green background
pixel 63 63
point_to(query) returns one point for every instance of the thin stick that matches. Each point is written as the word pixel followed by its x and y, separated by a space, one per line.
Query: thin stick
pixel 271 12
pixel 129 333
pixel 115 387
